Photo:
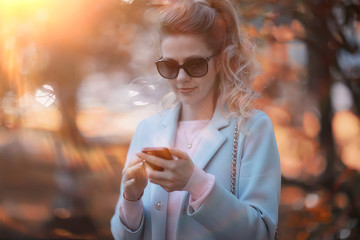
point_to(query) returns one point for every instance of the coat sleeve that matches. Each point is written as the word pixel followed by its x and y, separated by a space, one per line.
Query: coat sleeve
pixel 255 214
pixel 118 229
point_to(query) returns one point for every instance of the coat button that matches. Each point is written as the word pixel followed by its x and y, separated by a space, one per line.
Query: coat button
pixel 158 205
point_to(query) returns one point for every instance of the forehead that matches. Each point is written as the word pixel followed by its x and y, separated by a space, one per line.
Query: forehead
pixel 181 46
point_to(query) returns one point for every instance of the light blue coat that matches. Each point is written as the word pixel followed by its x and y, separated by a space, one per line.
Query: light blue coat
pixel 252 214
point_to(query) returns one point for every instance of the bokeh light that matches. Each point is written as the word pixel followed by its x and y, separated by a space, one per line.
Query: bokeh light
pixel 76 77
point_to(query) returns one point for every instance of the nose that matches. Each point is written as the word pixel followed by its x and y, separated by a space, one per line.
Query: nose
pixel 182 76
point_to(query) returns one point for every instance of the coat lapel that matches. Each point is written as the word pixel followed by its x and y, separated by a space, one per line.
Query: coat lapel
pixel 168 126
pixel 212 140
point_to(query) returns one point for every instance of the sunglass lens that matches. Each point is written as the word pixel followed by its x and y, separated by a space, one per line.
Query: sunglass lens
pixel 167 69
pixel 196 67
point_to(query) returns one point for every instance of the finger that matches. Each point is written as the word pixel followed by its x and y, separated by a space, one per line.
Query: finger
pixel 131 172
pixel 154 160
pixel 148 169
pixel 136 168
pixel 178 153
pixel 157 181
pixel 127 184
pixel 133 162
pixel 154 174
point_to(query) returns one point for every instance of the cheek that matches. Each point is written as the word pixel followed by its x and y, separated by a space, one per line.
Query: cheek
pixel 214 69
pixel 211 81
pixel 207 87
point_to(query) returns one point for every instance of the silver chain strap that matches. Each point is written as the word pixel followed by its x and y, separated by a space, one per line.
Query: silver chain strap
pixel 233 168
pixel 234 157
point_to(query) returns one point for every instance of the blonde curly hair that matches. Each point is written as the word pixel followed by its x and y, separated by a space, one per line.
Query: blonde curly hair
pixel 217 22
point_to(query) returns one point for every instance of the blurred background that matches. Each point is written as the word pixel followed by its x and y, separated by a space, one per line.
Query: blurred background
pixel 68 109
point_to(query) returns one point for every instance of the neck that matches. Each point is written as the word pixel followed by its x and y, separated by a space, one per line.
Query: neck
pixel 191 112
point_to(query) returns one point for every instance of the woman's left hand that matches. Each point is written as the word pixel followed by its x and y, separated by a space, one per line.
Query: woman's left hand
pixel 176 173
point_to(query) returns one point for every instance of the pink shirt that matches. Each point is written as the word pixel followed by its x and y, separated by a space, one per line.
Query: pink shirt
pixel 199 185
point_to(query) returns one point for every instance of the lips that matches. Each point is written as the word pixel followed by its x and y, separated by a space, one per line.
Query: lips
pixel 186 90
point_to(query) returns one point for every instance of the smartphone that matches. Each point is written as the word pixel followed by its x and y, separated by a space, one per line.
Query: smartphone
pixel 162 152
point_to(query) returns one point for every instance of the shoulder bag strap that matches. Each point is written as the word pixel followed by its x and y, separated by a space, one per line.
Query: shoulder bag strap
pixel 233 167
pixel 234 157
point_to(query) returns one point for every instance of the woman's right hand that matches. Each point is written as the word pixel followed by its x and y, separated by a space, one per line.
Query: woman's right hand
pixel 134 179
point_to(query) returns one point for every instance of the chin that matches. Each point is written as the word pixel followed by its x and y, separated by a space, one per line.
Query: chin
pixel 188 101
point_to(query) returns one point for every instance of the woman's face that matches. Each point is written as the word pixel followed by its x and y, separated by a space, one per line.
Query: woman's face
pixel 194 91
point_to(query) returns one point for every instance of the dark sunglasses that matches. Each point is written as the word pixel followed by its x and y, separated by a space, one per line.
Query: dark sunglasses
pixel 196 67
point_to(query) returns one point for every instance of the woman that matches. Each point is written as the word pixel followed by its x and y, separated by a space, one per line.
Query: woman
pixel 209 66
